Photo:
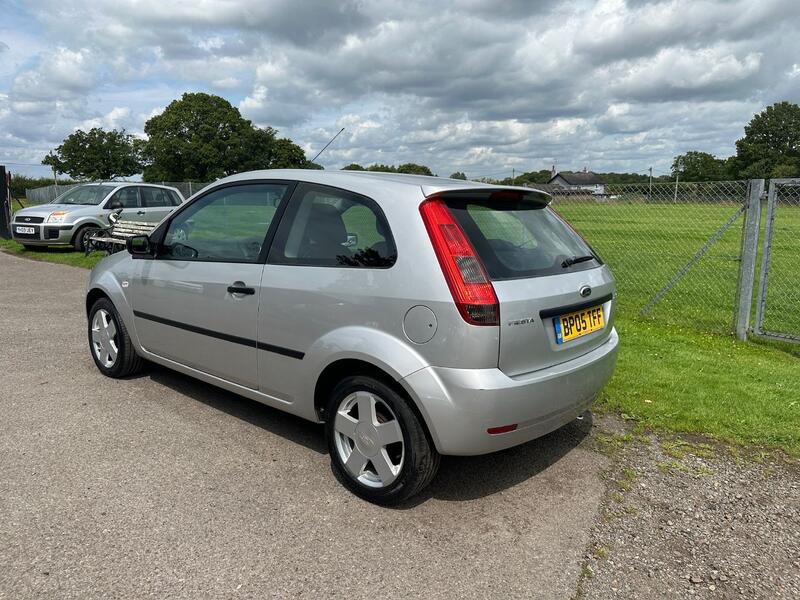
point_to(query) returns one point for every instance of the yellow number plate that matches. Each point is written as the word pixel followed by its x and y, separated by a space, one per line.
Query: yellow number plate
pixel 576 324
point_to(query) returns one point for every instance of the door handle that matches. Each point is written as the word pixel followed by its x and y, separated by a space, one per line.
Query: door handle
pixel 141 212
pixel 241 289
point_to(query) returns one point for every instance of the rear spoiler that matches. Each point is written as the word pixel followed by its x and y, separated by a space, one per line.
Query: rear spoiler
pixel 490 192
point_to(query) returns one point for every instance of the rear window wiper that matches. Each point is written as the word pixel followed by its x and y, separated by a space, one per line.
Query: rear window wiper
pixel 574 260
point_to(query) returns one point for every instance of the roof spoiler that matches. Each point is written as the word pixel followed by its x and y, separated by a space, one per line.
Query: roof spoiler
pixel 492 193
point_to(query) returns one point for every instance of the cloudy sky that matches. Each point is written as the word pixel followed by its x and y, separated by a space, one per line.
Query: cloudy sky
pixel 481 86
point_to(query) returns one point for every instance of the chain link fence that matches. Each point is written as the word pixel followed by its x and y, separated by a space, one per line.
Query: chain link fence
pixel 43 195
pixel 674 249
pixel 778 302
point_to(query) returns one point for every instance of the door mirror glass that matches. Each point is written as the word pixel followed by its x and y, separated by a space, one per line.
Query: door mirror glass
pixel 138 245
pixel 115 205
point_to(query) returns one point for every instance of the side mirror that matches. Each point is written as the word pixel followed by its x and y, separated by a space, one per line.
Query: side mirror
pixel 352 241
pixel 115 205
pixel 138 245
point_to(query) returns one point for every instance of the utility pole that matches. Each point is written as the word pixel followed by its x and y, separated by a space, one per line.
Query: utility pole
pixel 650 189
pixel 513 176
pixel 677 177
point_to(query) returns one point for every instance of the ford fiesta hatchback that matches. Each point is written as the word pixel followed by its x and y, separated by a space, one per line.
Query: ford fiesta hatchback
pixel 414 316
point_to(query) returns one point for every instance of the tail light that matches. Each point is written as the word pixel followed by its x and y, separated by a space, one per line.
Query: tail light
pixel 467 279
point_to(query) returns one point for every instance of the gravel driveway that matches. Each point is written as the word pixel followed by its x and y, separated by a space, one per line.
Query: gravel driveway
pixel 161 486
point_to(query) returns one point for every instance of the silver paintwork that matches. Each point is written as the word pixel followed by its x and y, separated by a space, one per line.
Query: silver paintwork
pixel 362 442
pixel 104 338
pixel 463 381
pixel 79 215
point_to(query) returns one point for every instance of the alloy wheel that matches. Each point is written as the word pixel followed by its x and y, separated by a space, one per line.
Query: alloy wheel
pixel 368 439
pixel 104 338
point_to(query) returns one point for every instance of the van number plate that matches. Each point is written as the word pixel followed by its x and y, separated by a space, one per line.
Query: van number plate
pixel 576 324
pixel 27 230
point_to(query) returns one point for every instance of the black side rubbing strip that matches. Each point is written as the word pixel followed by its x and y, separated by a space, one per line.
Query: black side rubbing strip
pixel 562 310
pixel 222 336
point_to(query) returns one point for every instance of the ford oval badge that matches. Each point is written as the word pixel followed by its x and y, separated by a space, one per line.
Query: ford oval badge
pixel 585 291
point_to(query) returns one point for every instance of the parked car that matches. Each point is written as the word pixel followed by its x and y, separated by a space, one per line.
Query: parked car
pixel 78 213
pixel 414 316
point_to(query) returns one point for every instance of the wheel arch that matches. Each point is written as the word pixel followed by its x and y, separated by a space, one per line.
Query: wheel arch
pixel 341 368
pixel 82 224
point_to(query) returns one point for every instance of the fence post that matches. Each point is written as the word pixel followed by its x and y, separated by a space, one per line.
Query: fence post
pixel 5 204
pixel 747 264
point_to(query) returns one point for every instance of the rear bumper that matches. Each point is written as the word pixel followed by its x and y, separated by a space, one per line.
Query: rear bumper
pixel 461 404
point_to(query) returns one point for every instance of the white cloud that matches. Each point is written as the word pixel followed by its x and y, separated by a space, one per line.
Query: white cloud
pixel 460 84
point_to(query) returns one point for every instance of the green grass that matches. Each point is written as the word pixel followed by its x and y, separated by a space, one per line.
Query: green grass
pixel 681 380
pixel 647 244
pixel 62 256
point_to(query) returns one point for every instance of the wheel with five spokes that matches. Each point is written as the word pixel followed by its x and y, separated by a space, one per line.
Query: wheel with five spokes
pixel 379 447
pixel 109 341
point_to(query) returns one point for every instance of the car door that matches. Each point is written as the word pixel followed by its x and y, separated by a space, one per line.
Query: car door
pixel 156 203
pixel 126 198
pixel 196 301
pixel 329 266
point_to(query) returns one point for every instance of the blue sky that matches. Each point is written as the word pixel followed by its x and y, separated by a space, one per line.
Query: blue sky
pixel 471 85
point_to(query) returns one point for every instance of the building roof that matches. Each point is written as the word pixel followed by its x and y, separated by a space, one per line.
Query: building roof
pixel 580 178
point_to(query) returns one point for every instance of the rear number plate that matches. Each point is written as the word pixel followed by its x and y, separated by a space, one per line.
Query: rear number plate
pixel 25 230
pixel 576 324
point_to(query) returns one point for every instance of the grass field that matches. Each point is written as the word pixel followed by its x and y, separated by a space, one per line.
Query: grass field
pixel 646 245
pixel 682 380
pixel 674 373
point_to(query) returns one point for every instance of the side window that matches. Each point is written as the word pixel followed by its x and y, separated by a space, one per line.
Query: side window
pixel 328 227
pixel 127 197
pixel 154 197
pixel 176 200
pixel 227 225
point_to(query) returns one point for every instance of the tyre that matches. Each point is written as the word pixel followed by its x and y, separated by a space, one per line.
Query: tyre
pixel 30 247
pixel 109 342
pixel 81 237
pixel 379 447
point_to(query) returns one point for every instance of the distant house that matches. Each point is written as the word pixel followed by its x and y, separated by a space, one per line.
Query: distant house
pixel 585 180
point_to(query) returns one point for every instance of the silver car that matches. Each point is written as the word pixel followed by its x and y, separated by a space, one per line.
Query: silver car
pixel 78 213
pixel 414 316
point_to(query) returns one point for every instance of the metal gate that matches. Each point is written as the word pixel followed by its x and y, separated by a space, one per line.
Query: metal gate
pixel 778 301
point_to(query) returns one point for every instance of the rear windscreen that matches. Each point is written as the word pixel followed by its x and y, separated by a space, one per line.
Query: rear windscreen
pixel 520 238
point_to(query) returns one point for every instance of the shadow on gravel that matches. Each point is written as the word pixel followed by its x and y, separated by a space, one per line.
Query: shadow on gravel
pixel 470 477
pixel 290 427
pixel 460 478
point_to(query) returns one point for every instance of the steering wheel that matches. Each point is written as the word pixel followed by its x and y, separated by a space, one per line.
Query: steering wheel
pixel 249 248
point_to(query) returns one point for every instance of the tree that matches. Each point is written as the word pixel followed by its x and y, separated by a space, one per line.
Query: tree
pixel 411 168
pixel 771 144
pixel 414 169
pixel 458 175
pixel 699 166
pixel 96 154
pixel 203 137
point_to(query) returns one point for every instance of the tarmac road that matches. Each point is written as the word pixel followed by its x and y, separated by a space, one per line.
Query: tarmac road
pixel 162 486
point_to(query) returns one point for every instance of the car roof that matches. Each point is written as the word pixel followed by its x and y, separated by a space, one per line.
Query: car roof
pixel 370 183
pixel 121 183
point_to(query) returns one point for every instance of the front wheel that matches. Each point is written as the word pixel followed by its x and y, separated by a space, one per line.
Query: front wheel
pixel 379 447
pixel 110 343
pixel 82 236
